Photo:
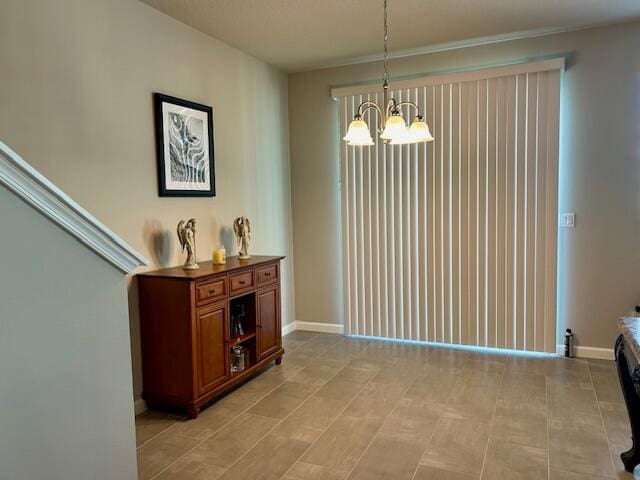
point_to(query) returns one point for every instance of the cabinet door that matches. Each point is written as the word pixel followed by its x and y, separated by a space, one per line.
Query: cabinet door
pixel 213 355
pixel 269 335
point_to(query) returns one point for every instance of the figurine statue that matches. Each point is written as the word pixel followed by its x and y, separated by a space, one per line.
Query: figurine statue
pixel 242 227
pixel 187 237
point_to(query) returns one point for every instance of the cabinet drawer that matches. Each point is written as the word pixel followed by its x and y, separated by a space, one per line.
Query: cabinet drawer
pixel 242 281
pixel 211 290
pixel 268 274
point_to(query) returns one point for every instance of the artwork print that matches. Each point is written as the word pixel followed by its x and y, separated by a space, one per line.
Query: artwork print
pixel 184 136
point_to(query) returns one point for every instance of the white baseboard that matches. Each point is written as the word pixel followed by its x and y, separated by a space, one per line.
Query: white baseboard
pixel 320 327
pixel 290 327
pixel 139 406
pixel 589 352
pixel 313 327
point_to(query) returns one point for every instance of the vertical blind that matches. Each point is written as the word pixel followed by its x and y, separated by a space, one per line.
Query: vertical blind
pixel 455 241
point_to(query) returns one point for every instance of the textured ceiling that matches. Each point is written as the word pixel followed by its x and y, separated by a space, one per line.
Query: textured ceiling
pixel 303 34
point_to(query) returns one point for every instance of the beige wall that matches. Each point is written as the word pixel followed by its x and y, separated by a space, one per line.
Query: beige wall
pixel 599 173
pixel 65 373
pixel 76 102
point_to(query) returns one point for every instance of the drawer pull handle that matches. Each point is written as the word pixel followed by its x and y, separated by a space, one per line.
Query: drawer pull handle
pixel 241 282
pixel 267 274
pixel 212 292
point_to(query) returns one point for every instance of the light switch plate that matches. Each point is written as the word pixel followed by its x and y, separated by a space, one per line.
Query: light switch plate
pixel 567 220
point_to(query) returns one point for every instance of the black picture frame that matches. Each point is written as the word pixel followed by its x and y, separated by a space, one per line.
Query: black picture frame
pixel 165 186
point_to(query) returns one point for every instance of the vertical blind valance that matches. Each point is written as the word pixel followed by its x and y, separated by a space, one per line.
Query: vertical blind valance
pixel 455 240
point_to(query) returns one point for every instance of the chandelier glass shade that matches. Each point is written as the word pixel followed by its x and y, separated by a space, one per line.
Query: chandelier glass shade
pixel 358 133
pixel 395 130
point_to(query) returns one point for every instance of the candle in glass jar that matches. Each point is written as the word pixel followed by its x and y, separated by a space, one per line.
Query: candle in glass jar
pixel 219 256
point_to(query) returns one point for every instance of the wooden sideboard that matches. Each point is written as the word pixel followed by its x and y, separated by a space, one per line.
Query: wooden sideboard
pixel 186 330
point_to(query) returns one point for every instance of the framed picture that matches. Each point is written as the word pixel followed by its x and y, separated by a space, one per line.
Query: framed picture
pixel 184 143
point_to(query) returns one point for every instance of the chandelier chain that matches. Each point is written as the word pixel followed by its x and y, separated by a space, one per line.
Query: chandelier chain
pixel 386 49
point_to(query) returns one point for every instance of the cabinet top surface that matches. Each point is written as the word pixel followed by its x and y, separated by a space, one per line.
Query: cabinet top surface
pixel 208 269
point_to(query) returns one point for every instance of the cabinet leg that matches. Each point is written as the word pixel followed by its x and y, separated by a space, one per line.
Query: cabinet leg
pixel 278 360
pixel 631 457
pixel 192 412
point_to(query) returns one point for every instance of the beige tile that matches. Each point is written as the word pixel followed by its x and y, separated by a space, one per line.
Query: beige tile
pixel 425 472
pixel 369 408
pixel 617 428
pixel 562 475
pixel 337 389
pixel 436 373
pixel 470 401
pixel 320 344
pixel 281 373
pixel 526 365
pixel 388 459
pixel 355 374
pixel 150 423
pixel 270 459
pixel 311 418
pixel 361 363
pixel 607 386
pixel 431 389
pixel 616 425
pixel 193 466
pixel 235 439
pixel 508 460
pixel 522 423
pixel 160 452
pixel 568 371
pixel 283 400
pixel 577 443
pixel 290 344
pixel 458 445
pixel 378 403
pixel 519 387
pixel 299 335
pixel 390 392
pixel 308 471
pixel 571 400
pixel 298 357
pixel 411 421
pixel 483 374
pixel 602 366
pixel 339 363
pixel 316 374
pixel 618 466
pixel 252 391
pixel 395 376
pixel 211 419
pixel 341 445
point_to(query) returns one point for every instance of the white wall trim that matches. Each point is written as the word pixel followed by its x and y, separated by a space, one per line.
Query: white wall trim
pixel 589 352
pixel 290 327
pixel 36 190
pixel 313 327
pixel 139 406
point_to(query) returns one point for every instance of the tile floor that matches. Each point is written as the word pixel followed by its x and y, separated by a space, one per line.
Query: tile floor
pixel 346 408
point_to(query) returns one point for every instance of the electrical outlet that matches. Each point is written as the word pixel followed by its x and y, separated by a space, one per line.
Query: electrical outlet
pixel 567 220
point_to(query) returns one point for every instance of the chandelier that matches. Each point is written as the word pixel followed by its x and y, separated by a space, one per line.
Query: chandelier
pixel 395 130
